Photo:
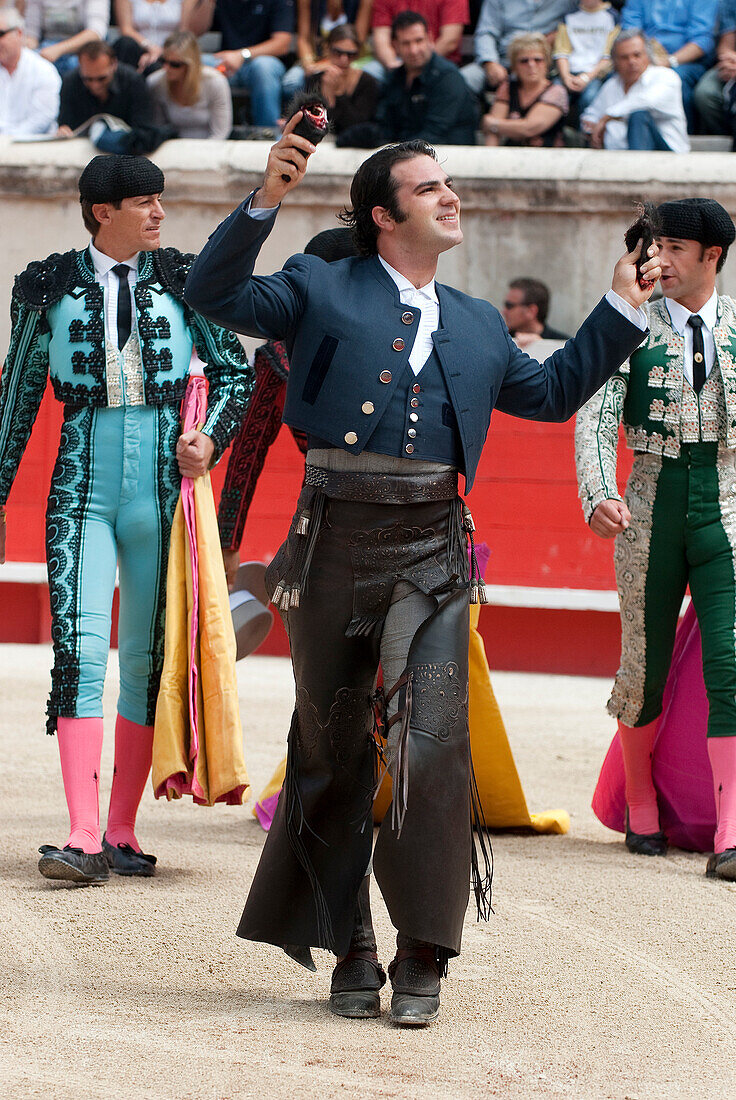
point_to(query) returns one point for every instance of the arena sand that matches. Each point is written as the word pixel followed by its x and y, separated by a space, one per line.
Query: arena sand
pixel 600 975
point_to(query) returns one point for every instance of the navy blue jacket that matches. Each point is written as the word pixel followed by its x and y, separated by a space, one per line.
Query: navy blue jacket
pixel 343 323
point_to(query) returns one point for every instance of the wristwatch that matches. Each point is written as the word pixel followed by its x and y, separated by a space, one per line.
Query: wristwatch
pixel 673 60
pixel 245 54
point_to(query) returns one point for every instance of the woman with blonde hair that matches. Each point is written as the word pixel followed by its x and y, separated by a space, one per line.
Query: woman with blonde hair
pixel 189 96
pixel 528 109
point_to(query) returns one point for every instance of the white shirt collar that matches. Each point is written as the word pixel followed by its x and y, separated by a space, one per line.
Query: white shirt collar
pixel 679 315
pixel 103 263
pixel 403 284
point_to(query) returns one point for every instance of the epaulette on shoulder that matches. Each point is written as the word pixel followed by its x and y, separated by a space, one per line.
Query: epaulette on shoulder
pixel 172 268
pixel 45 282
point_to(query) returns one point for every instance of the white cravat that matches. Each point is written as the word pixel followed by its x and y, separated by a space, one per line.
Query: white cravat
pixel 108 280
pixel 423 298
pixel 679 315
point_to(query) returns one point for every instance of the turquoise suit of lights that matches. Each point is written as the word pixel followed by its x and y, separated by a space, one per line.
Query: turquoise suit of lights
pixel 116 482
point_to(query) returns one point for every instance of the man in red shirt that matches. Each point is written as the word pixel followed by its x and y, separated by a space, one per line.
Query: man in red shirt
pixel 445 19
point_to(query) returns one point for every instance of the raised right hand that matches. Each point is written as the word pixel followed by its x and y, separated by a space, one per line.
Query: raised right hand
pixel 288 157
pixel 610 518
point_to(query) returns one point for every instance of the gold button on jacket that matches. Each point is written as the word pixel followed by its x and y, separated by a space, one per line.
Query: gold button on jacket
pixel 351 437
pixel 385 376
pixel 398 344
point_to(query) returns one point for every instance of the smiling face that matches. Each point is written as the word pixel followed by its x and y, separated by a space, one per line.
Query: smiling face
pixel 688 270
pixel 429 205
pixel 133 227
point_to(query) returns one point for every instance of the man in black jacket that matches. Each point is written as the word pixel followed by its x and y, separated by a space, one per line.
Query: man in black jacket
pixel 102 85
pixel 425 97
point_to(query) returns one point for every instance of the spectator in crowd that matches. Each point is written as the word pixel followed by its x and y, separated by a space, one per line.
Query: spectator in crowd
pixel 144 26
pixel 191 98
pixel 640 106
pixel 683 38
pixel 425 97
pixel 254 39
pixel 582 50
pixel 60 29
pixel 101 84
pixel 528 109
pixel 351 94
pixel 444 18
pixel 315 21
pixel 709 98
pixel 498 23
pixel 525 312
pixel 29 84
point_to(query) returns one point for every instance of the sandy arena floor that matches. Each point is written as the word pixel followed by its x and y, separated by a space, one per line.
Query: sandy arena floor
pixel 601 974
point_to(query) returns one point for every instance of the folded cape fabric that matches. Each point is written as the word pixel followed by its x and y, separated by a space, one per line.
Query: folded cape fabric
pixel 680 766
pixel 198 738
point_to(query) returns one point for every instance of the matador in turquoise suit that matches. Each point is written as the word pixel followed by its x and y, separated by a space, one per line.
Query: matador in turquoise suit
pixel 676 524
pixel 110 326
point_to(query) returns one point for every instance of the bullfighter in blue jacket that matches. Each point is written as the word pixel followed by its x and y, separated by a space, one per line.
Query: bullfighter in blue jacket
pixel 393 378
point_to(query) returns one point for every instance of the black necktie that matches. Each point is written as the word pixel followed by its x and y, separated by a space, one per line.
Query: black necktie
pixel 696 324
pixel 121 270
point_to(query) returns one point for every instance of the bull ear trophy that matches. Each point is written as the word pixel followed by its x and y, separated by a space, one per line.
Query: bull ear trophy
pixel 314 123
pixel 647 226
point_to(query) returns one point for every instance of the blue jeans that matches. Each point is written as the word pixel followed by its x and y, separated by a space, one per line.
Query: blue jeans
pixel 690 73
pixel 64 64
pixel 262 76
pixel 643 133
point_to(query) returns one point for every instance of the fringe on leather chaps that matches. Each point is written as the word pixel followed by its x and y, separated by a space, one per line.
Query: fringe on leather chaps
pixel 318 849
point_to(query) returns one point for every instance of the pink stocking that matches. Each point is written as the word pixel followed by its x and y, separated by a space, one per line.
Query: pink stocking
pixel 637 746
pixel 722 753
pixel 80 749
pixel 133 751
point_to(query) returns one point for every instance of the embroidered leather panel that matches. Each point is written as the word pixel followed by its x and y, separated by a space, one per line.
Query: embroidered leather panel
pixel 439 703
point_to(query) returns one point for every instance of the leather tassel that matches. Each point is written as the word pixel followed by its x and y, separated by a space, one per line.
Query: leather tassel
pixel 277 594
pixel 302 526
pixel 285 599
pixel 474 590
pixel 468 522
pixel 483 594
pixel 294 598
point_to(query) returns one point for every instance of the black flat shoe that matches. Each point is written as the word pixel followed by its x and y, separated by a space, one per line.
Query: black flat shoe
pixel 645 844
pixel 73 865
pixel 416 984
pixel 722 865
pixel 124 860
pixel 356 985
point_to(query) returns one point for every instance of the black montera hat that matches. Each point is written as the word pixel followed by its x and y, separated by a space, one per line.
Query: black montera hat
pixel 116 177
pixel 702 220
pixel 332 244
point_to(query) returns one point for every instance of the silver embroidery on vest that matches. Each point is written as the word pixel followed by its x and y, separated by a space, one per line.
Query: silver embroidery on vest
pixel 124 368
pixel 704 420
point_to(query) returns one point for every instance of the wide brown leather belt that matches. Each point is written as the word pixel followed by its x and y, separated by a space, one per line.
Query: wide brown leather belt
pixel 379 488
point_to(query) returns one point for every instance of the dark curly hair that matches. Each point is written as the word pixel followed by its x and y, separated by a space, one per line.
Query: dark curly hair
pixel 374 185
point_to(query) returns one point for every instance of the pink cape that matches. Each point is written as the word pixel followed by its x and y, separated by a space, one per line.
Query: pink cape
pixel 682 773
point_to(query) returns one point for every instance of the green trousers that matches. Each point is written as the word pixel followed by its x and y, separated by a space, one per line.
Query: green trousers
pixel 682 531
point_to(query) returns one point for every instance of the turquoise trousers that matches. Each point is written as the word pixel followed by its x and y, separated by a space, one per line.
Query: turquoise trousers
pixel 113 494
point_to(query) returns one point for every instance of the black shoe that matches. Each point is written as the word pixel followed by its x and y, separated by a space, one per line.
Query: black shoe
pixel 124 860
pixel 73 865
pixel 645 844
pixel 356 985
pixel 722 865
pixel 415 978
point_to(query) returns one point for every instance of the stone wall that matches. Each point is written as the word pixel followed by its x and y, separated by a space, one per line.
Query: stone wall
pixel 556 214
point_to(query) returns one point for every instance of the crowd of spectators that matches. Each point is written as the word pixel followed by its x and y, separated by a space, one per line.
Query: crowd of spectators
pixel 632 74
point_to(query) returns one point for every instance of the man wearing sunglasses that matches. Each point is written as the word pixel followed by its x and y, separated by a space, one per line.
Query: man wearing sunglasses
pixel 100 85
pixel 29 84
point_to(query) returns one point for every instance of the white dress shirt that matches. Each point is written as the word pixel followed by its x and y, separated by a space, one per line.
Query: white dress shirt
pixel 679 315
pixel 108 280
pixel 424 299
pixel 29 96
